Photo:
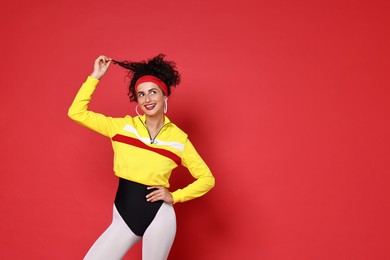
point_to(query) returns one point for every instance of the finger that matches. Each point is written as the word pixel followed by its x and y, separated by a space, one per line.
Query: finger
pixel 104 60
pixel 100 59
pixel 153 187
pixel 153 198
pixel 153 194
pixel 107 64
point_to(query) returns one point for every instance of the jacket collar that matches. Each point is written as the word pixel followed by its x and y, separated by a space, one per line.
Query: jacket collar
pixel 166 119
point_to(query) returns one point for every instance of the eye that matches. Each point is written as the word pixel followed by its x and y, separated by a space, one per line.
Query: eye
pixel 140 94
pixel 153 92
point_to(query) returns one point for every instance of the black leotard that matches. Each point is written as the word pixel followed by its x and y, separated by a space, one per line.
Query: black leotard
pixel 132 205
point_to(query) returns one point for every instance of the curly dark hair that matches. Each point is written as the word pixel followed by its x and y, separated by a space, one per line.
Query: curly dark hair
pixel 157 66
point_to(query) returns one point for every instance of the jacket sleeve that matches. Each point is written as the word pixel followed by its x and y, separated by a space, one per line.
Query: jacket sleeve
pixel 79 112
pixel 205 180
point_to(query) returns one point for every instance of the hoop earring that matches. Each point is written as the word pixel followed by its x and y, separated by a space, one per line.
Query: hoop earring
pixel 165 106
pixel 136 110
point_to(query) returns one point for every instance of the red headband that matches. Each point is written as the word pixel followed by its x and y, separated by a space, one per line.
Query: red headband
pixel 155 80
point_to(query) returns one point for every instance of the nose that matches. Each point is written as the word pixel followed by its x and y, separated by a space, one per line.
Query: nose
pixel 147 98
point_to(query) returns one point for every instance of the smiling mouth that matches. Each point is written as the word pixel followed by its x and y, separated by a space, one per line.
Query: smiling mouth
pixel 150 106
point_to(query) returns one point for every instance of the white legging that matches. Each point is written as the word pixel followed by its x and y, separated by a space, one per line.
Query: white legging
pixel 118 238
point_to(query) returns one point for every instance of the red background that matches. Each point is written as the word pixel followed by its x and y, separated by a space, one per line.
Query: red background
pixel 287 101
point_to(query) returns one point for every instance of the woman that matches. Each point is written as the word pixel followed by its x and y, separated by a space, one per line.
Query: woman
pixel 146 149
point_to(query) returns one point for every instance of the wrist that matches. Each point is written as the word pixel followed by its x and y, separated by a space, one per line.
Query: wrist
pixel 95 75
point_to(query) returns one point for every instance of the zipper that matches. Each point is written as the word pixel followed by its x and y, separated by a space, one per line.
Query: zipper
pixel 152 140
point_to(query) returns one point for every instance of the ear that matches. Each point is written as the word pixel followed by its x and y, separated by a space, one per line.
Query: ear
pixel 165 98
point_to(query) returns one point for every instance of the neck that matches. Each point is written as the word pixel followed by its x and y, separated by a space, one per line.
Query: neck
pixel 154 122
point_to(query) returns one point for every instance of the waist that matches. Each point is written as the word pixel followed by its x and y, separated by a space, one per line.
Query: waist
pixel 132 191
pixel 145 178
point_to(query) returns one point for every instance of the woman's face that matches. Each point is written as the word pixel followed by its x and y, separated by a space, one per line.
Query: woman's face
pixel 150 99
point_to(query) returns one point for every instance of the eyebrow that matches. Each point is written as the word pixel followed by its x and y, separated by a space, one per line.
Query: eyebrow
pixel 148 90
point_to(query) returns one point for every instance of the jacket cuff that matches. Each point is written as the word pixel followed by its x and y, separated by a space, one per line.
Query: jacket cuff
pixel 92 80
pixel 177 196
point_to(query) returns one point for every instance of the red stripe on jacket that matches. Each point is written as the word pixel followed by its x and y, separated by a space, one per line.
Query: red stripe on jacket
pixel 137 143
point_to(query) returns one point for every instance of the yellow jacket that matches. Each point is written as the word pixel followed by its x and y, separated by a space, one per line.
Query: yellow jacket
pixel 135 157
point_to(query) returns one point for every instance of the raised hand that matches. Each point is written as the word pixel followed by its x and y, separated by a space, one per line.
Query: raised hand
pixel 102 63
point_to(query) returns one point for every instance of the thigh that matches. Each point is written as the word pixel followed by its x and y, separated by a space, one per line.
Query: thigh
pixel 114 242
pixel 160 234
